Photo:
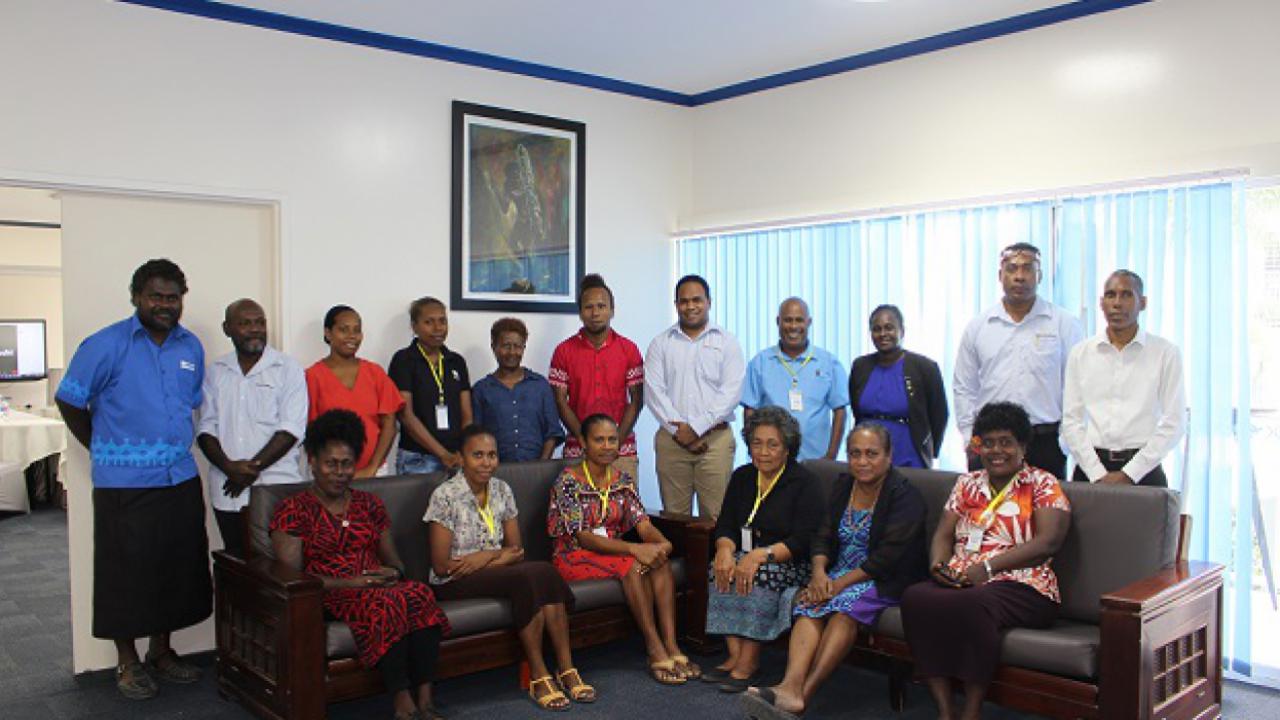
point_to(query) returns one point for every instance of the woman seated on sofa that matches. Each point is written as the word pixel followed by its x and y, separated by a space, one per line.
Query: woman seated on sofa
pixel 869 548
pixel 771 509
pixel 476 553
pixel 990 560
pixel 592 507
pixel 343 536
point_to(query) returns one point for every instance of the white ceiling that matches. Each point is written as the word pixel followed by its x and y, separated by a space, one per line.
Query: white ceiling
pixel 686 46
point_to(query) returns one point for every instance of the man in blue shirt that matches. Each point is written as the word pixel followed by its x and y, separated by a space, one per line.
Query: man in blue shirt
pixel 515 403
pixel 128 396
pixel 807 381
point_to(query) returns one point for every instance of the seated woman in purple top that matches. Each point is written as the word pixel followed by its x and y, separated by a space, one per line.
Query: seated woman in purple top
pixel 901 390
pixel 868 549
pixel 515 403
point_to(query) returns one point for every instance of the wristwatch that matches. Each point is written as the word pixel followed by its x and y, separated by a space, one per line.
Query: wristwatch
pixel 768 554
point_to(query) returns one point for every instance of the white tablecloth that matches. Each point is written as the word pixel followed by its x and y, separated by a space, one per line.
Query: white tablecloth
pixel 26 438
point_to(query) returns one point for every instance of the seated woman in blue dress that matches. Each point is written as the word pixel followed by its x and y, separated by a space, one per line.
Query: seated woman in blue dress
pixel 901 390
pixel 869 548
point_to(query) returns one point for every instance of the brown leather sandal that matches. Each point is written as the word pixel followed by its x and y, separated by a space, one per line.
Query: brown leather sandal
pixel 689 670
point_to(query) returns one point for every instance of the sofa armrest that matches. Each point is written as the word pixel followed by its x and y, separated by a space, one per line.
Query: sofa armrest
pixel 1161 652
pixel 691 539
pixel 270 631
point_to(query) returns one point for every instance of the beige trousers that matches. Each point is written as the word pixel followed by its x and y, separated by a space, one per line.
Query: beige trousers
pixel 630 466
pixel 682 473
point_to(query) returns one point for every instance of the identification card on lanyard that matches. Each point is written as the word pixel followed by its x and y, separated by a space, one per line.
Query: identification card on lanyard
pixel 437 374
pixel 442 417
pixel 796 399
pixel 973 543
pixel 745 543
pixel 601 531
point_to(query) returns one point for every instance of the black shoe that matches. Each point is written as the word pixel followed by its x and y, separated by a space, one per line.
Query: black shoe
pixel 715 676
pixel 133 682
pixel 169 667
pixel 732 684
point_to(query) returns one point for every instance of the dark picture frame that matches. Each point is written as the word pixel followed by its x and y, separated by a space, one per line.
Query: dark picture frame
pixel 518 215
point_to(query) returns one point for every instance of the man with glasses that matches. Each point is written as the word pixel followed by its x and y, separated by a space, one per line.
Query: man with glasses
pixel 1016 352
pixel 1124 405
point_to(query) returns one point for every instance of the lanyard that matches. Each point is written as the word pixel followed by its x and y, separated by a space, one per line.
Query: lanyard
pixel 437 373
pixel 786 364
pixel 487 515
pixel 761 496
pixel 604 496
pixel 984 518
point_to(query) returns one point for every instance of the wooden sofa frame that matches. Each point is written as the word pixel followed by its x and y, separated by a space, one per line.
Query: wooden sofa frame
pixel 270 631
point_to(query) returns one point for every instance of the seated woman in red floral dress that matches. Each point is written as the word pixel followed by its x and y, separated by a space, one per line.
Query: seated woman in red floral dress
pixel 592 507
pixel 343 536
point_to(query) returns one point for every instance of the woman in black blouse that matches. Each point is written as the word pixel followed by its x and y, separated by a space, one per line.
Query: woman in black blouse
pixel 771 509
pixel 869 548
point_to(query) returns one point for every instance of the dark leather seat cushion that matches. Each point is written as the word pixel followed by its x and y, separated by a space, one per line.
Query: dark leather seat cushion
pixel 1068 648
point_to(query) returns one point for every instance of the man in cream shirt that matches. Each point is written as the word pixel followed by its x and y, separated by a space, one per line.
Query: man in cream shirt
pixel 1124 407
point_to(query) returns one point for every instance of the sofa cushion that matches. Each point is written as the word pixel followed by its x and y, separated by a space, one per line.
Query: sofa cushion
pixel 1067 648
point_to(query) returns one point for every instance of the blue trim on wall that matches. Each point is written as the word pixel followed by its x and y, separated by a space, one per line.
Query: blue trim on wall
pixel 421 48
pixel 943 41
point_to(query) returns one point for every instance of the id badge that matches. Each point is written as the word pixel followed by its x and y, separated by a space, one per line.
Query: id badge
pixel 797 400
pixel 600 531
pixel 745 544
pixel 442 417
pixel 974 542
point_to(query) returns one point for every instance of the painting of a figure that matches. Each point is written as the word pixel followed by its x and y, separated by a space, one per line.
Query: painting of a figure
pixel 518 227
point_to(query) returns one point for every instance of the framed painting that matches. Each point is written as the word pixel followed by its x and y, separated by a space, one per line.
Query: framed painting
pixel 518 215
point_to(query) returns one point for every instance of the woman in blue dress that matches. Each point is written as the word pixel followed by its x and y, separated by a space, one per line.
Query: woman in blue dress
pixel 869 548
pixel 901 390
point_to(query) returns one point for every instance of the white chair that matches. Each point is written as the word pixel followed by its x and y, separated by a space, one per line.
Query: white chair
pixel 13 488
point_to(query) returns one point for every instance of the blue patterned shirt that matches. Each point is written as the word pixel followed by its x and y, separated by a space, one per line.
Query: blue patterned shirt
pixel 521 418
pixel 141 397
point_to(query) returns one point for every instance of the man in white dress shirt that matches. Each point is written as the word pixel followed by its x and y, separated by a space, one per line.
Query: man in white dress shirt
pixel 254 414
pixel 1124 408
pixel 1016 351
pixel 693 373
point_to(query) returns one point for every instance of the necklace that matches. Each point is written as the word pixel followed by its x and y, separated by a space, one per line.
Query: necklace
pixel 346 505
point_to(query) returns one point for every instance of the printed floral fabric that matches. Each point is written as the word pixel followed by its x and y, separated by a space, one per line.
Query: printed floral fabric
pixel 1011 524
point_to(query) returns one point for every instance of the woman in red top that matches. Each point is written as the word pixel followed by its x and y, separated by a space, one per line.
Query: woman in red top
pixel 344 381
pixel 592 507
pixel 343 536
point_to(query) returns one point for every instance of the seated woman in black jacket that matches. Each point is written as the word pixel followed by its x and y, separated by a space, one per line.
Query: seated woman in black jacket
pixel 869 548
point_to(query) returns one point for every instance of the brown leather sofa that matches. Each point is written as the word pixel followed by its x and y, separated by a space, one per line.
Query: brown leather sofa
pixel 1139 631
pixel 282 658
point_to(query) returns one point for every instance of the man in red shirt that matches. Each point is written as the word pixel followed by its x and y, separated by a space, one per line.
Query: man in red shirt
pixel 598 371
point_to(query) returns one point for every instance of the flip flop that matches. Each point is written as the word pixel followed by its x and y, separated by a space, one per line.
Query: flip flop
pixel 732 684
pixel 689 670
pixel 664 671
pixel 759 706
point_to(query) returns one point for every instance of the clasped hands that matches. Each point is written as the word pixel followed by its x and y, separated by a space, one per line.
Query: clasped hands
pixel 975 574
pixel 740 573
pixel 650 555
pixel 382 576
pixel 688 439
pixel 240 475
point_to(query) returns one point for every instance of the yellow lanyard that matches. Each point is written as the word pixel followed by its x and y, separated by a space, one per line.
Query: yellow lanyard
pixel 437 373
pixel 761 496
pixel 487 515
pixel 604 496
pixel 984 518
pixel 786 364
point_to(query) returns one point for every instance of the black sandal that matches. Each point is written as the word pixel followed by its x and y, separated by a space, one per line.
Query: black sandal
pixel 168 666
pixel 134 682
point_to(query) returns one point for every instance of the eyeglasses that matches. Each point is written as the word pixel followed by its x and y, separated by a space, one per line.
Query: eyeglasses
pixel 1002 443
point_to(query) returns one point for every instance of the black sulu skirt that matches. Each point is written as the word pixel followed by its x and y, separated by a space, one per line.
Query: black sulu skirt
pixel 150 560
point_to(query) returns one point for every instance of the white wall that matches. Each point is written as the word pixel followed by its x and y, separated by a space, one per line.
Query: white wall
pixel 1174 86
pixel 354 145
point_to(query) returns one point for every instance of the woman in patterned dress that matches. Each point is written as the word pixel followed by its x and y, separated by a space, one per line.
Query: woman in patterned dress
pixel 592 507
pixel 990 560
pixel 771 509
pixel 870 547
pixel 343 536
pixel 476 553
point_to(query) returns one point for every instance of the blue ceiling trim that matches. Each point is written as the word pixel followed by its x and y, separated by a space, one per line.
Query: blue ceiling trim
pixel 943 41
pixel 407 46
pixel 421 48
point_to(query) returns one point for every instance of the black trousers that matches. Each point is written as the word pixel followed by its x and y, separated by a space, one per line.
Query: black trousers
pixel 411 661
pixel 1044 452
pixel 1114 462
pixel 232 530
